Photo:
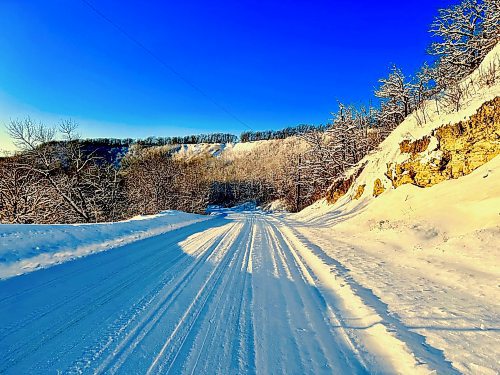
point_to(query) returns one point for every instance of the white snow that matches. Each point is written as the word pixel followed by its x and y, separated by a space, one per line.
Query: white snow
pixel 241 293
pixel 24 248
pixel 278 205
pixel 192 151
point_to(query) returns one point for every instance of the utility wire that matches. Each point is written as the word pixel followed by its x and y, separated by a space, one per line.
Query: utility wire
pixel 163 63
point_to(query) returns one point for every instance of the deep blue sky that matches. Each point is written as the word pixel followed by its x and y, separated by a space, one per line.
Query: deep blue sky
pixel 271 63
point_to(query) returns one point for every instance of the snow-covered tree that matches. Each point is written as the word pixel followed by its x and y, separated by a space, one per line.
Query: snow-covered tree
pixel 423 85
pixel 465 34
pixel 395 93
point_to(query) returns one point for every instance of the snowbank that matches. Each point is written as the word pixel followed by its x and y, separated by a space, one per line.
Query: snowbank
pixel 278 205
pixel 24 248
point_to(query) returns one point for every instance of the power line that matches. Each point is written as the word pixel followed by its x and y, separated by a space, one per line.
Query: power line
pixel 163 63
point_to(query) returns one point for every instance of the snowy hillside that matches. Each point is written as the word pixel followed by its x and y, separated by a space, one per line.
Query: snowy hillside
pixel 428 248
pixel 230 151
pixel 379 164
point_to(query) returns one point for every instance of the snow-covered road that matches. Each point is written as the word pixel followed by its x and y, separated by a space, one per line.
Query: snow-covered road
pixel 240 293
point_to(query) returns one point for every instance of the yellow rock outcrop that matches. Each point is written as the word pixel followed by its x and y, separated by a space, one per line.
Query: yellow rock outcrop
pixel 359 192
pixel 342 185
pixel 378 188
pixel 460 149
pixel 339 189
pixel 415 147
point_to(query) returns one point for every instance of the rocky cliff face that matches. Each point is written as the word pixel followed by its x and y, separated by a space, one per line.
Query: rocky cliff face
pixel 455 150
pixel 378 187
pixel 449 152
pixel 342 185
pixel 359 191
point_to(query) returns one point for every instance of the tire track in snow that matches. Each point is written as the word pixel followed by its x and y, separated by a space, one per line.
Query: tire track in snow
pixel 213 346
pixel 21 349
pixel 246 332
pixel 380 347
pixel 324 346
pixel 137 259
pixel 288 301
pixel 150 319
pixel 120 326
pixel 425 353
pixel 37 338
pixel 239 359
pixel 276 346
pixel 104 262
pixel 50 308
pixel 174 343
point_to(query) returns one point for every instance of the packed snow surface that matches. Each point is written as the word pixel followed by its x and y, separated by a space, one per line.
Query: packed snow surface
pixel 242 292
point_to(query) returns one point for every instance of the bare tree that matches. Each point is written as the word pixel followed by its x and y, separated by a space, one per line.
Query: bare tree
pixel 455 94
pixel 76 176
pixel 422 89
pixel 24 196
